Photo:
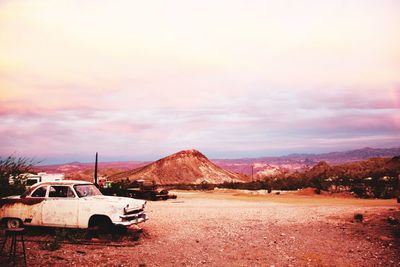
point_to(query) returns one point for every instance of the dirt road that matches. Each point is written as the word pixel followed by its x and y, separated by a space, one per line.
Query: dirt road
pixel 225 229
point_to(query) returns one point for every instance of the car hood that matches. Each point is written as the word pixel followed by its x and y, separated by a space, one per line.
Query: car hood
pixel 120 201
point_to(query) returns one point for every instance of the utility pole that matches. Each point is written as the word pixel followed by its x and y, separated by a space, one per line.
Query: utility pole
pixel 398 188
pixel 95 173
pixel 252 172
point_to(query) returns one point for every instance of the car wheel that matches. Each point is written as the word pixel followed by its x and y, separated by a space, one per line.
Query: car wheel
pixel 100 224
pixel 13 223
pixel 105 226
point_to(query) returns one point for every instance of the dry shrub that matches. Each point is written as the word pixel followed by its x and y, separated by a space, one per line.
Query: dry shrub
pixel 358 217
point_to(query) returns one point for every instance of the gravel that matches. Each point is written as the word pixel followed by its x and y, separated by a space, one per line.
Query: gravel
pixel 224 230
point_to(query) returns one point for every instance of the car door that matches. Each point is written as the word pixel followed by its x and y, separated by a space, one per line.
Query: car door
pixel 60 209
pixel 32 214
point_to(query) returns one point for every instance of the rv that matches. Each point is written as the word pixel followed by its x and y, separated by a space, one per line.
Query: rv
pixel 43 177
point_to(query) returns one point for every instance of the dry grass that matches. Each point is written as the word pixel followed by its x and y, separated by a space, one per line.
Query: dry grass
pixel 291 197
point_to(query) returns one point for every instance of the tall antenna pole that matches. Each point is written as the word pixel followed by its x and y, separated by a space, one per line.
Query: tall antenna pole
pixel 95 173
pixel 398 189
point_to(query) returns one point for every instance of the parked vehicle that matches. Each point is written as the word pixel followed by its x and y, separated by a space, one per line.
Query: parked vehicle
pixel 70 204
pixel 147 190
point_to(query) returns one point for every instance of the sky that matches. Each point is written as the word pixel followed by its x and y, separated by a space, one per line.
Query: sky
pixel 138 80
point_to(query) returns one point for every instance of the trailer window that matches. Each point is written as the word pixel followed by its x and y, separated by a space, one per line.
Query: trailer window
pixel 30 182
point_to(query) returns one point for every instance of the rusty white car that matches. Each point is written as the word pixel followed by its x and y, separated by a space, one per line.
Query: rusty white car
pixel 70 204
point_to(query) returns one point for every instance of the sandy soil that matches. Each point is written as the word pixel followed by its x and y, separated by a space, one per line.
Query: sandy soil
pixel 232 228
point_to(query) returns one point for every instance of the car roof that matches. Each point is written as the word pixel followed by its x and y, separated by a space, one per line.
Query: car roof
pixel 63 182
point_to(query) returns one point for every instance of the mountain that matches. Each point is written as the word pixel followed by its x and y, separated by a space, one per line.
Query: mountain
pixel 302 162
pixel 187 166
pixel 357 155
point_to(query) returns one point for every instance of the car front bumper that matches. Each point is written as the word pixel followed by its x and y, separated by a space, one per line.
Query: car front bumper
pixel 129 219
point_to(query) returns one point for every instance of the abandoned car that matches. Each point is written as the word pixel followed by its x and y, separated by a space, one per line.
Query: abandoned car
pixel 70 204
pixel 146 190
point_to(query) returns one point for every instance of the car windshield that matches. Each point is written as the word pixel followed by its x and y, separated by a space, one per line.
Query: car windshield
pixel 87 190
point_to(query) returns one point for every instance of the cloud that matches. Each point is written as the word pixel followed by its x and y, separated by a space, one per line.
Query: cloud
pixel 143 79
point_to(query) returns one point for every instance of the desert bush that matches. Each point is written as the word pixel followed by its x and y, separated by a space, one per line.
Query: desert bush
pixel 11 170
pixel 206 186
pixel 359 190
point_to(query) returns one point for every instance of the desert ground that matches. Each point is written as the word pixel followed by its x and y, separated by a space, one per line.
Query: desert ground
pixel 238 228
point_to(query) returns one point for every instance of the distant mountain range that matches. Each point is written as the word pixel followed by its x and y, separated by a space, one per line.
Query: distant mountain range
pixel 190 166
pixel 303 161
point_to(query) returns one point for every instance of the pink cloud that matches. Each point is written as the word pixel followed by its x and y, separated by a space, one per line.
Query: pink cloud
pixel 352 98
pixel 121 127
pixel 370 119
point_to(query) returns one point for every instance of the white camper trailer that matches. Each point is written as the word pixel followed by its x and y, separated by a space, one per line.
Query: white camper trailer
pixel 43 177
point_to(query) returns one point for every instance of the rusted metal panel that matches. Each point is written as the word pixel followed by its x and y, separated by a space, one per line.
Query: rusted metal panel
pixel 25 201
pixel 28 211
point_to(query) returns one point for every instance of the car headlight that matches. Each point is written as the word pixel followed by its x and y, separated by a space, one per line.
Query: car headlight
pixel 126 209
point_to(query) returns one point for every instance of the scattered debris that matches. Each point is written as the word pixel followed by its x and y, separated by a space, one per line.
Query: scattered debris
pixel 358 217
pixel 392 220
pixel 58 257
pixel 51 246
pixel 386 238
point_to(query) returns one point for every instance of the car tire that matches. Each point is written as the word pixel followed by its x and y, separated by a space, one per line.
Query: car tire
pixel 105 227
pixel 13 223
pixel 100 224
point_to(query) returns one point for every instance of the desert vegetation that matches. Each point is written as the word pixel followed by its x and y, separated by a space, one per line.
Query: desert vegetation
pixel 373 178
pixel 11 170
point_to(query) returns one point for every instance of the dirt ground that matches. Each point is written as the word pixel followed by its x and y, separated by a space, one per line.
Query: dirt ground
pixel 236 228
